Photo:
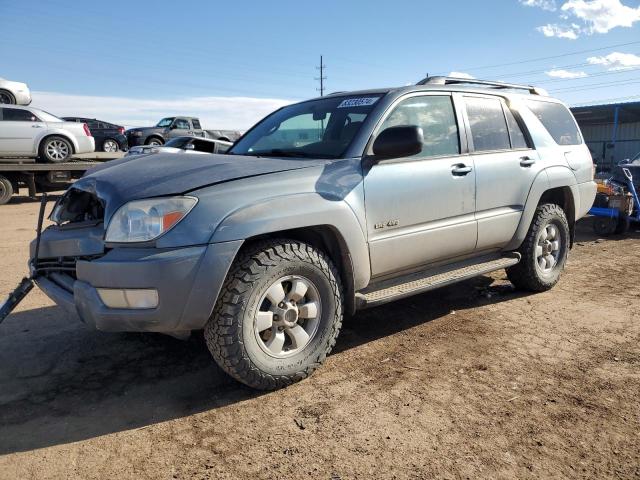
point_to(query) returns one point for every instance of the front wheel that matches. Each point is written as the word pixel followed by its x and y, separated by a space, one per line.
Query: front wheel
pixel 277 316
pixel 544 250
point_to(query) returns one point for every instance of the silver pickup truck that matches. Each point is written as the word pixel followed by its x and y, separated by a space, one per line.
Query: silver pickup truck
pixel 324 207
pixel 174 127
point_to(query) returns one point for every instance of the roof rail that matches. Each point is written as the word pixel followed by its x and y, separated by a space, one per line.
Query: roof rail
pixel 472 81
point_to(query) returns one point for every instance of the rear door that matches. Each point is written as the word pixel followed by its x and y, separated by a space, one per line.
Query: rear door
pixel 18 131
pixel 420 209
pixel 505 164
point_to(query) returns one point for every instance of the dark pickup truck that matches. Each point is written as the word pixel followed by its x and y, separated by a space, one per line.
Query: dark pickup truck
pixel 171 127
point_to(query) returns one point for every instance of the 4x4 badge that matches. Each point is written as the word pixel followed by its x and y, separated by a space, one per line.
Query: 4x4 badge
pixel 388 223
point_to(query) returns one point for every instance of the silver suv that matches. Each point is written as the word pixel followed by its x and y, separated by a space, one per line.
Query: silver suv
pixel 324 207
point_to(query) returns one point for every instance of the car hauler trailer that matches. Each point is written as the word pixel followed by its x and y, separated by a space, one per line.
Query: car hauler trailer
pixel 38 177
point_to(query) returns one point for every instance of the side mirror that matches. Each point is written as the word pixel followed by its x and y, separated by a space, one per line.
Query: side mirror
pixel 189 146
pixel 398 142
pixel 173 127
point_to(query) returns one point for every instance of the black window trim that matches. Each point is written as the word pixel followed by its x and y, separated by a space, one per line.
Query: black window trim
pixel 460 123
pixel 516 115
pixel 520 123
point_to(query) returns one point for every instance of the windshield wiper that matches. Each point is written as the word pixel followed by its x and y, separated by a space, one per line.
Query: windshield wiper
pixel 276 152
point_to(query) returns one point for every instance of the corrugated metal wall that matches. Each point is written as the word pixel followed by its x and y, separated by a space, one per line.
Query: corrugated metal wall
pixel 605 151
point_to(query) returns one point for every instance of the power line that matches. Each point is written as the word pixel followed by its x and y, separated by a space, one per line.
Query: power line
pixel 551 57
pixel 322 77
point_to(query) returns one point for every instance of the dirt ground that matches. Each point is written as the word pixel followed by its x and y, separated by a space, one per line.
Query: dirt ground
pixel 472 381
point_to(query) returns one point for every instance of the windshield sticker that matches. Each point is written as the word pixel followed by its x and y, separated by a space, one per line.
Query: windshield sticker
pixel 358 102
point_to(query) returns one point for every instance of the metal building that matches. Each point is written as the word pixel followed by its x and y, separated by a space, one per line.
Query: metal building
pixel 611 131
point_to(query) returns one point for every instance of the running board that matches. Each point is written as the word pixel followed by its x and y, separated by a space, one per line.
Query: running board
pixel 419 282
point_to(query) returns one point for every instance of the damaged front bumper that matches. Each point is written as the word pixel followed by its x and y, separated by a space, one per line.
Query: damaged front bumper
pixel 73 265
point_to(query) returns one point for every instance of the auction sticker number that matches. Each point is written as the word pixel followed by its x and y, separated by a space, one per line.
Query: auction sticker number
pixel 358 102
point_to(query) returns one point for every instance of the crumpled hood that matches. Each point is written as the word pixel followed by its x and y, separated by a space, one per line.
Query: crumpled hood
pixel 144 176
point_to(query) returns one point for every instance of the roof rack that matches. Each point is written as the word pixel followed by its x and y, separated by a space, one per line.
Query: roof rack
pixel 472 81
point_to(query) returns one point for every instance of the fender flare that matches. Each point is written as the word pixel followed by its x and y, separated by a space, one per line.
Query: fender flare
pixel 298 211
pixel 547 179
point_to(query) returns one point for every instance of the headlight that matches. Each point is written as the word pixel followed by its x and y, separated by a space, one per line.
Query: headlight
pixel 144 220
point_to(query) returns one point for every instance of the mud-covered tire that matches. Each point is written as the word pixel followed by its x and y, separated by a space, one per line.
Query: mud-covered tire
pixel 232 334
pixel 528 274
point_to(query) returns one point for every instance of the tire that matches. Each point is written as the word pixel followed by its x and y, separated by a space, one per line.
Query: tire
pixel 604 226
pixel 110 145
pixel 7 98
pixel 154 141
pixel 544 250
pixel 55 149
pixel 623 224
pixel 6 190
pixel 254 355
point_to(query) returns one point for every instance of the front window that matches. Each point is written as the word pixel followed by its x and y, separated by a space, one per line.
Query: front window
pixel 165 122
pixel 316 129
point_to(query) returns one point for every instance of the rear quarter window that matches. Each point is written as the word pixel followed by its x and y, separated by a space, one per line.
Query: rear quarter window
pixel 558 121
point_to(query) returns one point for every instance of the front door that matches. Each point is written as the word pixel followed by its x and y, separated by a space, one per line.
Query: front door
pixel 18 131
pixel 180 128
pixel 420 209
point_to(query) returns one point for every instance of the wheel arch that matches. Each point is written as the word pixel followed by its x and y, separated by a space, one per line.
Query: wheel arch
pixel 328 224
pixel 152 136
pixel 553 185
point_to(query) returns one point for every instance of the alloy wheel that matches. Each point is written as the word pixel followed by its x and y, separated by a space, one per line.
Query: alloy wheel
pixel 110 146
pixel 57 150
pixel 548 248
pixel 288 316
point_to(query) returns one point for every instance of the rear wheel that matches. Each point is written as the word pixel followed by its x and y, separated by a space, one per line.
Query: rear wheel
pixel 110 145
pixel 623 224
pixel 7 97
pixel 544 250
pixel 6 190
pixel 277 316
pixel 154 142
pixel 55 149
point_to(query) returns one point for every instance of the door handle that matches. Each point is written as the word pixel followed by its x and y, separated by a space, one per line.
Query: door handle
pixel 527 161
pixel 460 169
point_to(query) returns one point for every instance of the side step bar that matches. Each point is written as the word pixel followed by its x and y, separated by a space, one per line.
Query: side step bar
pixel 414 283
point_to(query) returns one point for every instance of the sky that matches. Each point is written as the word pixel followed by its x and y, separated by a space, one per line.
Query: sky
pixel 231 63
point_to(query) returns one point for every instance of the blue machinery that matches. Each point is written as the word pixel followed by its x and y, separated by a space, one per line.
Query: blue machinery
pixel 610 220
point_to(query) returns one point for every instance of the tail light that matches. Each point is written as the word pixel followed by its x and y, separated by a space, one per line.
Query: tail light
pixel 86 130
pixel 121 130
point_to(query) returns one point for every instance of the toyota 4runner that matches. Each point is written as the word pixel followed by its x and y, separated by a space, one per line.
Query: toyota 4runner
pixel 324 207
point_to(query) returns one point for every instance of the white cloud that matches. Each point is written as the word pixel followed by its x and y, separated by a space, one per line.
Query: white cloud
pixel 616 61
pixel 214 112
pixel 602 15
pixel 561 31
pixel 549 5
pixel 461 75
pixel 560 73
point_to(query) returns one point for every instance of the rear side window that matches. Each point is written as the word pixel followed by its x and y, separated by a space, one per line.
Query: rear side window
pixel 435 115
pixel 488 126
pixel 196 124
pixel 558 121
pixel 515 132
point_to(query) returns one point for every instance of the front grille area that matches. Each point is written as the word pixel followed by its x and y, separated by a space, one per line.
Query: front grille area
pixel 61 270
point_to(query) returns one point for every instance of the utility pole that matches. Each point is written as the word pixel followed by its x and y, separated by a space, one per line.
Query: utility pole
pixel 322 77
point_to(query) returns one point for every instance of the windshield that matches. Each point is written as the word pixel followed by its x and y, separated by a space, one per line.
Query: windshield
pixel 317 129
pixel 165 122
pixel 178 142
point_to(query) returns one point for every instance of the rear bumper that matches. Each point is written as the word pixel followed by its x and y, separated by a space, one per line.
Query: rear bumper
pixel 586 194
pixel 85 144
pixel 187 280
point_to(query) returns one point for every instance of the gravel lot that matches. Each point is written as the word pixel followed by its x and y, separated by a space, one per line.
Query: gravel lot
pixel 472 381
